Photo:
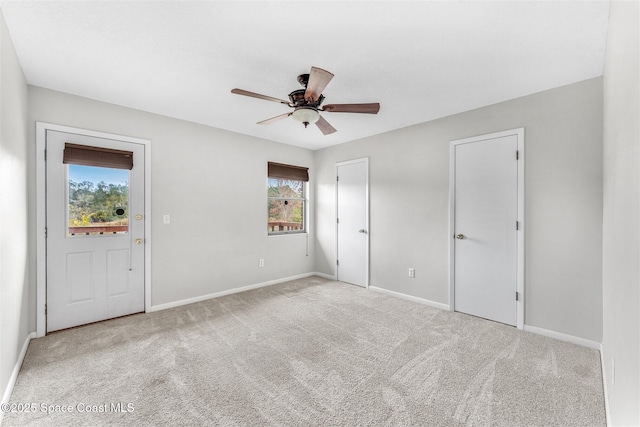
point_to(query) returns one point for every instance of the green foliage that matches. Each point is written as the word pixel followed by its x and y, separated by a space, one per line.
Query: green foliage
pixel 89 203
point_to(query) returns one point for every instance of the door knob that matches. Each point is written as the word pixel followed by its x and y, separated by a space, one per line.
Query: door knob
pixel 363 231
pixel 460 236
pixel 138 241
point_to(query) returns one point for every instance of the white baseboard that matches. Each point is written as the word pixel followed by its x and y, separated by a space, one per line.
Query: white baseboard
pixel 16 370
pixel 227 292
pixel 325 276
pixel 439 305
pixel 604 386
pixel 563 337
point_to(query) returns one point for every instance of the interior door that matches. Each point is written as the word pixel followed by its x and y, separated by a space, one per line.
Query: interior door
pixel 352 222
pixel 485 228
pixel 95 231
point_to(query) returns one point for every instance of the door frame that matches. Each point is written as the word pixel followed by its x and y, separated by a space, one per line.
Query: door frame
pixel 41 211
pixel 364 160
pixel 520 268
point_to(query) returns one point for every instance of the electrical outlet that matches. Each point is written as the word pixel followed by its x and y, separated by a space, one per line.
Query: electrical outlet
pixel 412 272
pixel 261 264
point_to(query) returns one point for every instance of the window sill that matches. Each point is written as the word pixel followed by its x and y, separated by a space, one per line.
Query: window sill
pixel 300 233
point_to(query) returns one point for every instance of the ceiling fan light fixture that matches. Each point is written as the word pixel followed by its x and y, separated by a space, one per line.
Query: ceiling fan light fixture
pixel 306 115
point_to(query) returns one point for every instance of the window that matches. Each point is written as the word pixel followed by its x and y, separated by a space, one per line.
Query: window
pixel 98 190
pixel 98 201
pixel 286 199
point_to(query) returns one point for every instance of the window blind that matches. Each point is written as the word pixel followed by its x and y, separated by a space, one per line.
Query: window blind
pixel 97 156
pixel 279 170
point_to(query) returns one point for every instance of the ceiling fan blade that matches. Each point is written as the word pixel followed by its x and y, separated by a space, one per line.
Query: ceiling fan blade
pixel 318 80
pixel 325 127
pixel 274 119
pixel 257 95
pixel 371 108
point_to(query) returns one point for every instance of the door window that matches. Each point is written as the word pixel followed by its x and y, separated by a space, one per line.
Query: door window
pixel 98 201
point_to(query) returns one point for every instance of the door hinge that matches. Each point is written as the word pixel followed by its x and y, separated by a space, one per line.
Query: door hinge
pixel 337 262
pixel 517 155
pixel 517 225
pixel 517 296
pixel 337 178
pixel 338 220
pixel 45 309
pixel 45 233
pixel 45 155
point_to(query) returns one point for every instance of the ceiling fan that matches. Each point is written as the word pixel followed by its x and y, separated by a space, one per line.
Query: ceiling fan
pixel 306 102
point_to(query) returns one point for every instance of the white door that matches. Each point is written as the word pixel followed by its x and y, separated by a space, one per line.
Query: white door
pixel 95 234
pixel 352 222
pixel 485 227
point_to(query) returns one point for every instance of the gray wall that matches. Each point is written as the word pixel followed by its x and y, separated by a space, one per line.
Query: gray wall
pixel 409 184
pixel 213 184
pixel 14 290
pixel 621 251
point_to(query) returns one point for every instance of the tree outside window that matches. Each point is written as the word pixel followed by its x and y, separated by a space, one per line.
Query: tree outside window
pixel 285 206
pixel 95 206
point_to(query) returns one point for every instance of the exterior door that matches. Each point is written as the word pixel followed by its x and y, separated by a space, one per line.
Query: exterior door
pixel 485 227
pixel 352 222
pixel 95 230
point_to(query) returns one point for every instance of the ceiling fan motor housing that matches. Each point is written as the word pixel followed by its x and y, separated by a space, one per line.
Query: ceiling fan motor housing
pixel 297 99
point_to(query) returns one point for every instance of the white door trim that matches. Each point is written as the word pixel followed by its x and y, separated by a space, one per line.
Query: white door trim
pixel 335 220
pixel 519 133
pixel 41 220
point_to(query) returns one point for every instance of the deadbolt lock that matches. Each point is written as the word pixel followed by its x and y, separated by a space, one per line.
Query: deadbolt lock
pixel 459 236
pixel 138 241
pixel 138 217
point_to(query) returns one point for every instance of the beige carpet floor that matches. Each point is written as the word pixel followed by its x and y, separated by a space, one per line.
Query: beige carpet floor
pixel 310 352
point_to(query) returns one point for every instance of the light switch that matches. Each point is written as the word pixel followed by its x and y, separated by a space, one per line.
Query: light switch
pixel 166 219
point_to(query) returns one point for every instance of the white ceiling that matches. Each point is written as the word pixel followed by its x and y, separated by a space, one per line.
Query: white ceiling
pixel 420 60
